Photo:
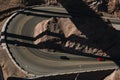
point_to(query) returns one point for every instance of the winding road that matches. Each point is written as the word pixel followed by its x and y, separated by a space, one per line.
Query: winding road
pixel 19 39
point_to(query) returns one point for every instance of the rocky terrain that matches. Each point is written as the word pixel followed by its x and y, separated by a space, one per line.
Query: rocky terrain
pixel 101 7
pixel 63 35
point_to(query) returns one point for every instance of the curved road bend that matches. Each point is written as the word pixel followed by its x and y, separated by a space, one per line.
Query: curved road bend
pixel 34 61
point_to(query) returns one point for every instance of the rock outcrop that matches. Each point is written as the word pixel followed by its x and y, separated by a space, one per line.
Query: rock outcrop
pixel 62 34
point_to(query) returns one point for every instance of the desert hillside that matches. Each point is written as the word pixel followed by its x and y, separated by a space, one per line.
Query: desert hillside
pixel 94 40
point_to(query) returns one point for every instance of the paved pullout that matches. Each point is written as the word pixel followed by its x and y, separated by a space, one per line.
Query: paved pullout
pixel 19 39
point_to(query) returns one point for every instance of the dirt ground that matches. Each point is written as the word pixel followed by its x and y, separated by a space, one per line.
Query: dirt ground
pixel 11 72
pixel 7 7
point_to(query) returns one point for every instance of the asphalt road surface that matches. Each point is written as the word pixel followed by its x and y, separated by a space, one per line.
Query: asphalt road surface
pixel 19 38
